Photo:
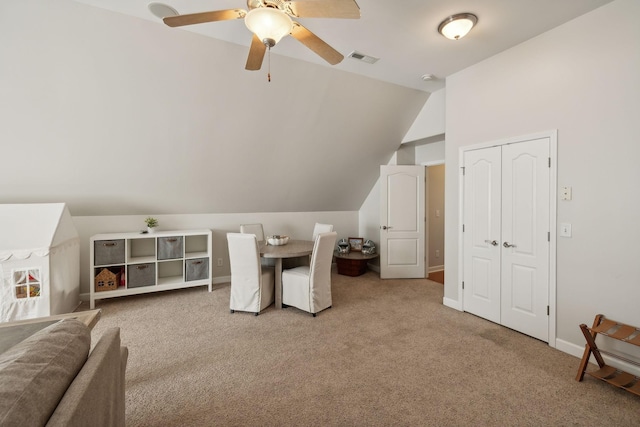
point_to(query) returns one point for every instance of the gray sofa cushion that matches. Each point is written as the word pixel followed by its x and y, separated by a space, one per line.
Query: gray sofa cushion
pixel 35 373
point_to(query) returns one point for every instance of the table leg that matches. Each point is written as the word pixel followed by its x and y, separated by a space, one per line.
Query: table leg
pixel 278 282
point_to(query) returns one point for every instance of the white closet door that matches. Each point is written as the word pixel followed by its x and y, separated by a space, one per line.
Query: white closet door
pixel 482 186
pixel 506 235
pixel 525 228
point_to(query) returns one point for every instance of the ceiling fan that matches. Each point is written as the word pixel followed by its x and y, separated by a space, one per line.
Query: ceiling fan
pixel 270 20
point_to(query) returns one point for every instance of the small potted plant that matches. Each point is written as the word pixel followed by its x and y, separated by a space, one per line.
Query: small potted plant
pixel 151 224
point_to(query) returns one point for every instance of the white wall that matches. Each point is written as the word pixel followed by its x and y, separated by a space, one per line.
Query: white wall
pixel 369 215
pixel 117 115
pixel 432 153
pixel 298 225
pixel 430 120
pixel 581 79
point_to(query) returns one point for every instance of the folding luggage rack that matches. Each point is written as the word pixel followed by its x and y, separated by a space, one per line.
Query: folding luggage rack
pixel 618 331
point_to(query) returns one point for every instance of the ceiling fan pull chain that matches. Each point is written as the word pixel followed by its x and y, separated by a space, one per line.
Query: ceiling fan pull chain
pixel 269 65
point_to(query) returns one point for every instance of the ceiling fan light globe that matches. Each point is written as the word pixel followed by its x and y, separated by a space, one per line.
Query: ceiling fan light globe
pixel 269 24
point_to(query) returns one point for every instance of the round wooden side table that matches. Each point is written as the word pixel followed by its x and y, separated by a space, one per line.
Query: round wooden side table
pixel 353 263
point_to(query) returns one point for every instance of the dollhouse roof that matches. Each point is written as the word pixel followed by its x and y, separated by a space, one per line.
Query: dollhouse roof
pixel 28 229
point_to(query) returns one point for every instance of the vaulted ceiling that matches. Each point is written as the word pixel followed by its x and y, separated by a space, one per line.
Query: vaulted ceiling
pixel 403 34
pixel 116 113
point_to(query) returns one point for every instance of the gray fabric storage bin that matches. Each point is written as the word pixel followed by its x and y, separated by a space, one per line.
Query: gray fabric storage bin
pixel 141 275
pixel 170 247
pixel 106 252
pixel 196 269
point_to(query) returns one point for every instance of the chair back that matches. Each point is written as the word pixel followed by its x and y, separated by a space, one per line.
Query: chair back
pixel 321 228
pixel 253 229
pixel 320 268
pixel 246 272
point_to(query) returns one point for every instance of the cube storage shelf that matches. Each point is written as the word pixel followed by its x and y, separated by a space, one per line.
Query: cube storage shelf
pixel 141 263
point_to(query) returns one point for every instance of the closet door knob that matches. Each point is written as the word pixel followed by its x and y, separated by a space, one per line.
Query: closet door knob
pixel 508 245
pixel 491 242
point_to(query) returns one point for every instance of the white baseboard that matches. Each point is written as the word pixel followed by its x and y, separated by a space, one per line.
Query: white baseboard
pixel 452 303
pixel 221 279
pixel 578 351
pixel 569 348
pixel 435 268
pixel 374 267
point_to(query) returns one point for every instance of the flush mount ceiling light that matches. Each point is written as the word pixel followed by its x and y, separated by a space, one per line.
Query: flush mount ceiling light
pixel 457 26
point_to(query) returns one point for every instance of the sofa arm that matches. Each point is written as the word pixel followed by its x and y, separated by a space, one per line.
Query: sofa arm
pixel 96 397
pixel 35 374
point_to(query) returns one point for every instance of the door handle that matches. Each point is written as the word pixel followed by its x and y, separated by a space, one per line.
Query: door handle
pixel 384 227
pixel 491 242
pixel 508 245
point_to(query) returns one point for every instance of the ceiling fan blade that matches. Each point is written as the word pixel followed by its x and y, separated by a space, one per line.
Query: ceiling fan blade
pixel 316 44
pixel 256 54
pixel 202 17
pixel 325 9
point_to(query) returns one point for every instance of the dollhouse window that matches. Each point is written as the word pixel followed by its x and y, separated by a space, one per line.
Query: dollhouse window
pixel 27 283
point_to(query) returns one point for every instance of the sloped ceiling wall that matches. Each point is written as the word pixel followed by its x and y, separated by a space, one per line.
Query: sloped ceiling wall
pixel 117 115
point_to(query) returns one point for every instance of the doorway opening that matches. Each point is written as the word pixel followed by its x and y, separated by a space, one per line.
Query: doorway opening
pixel 434 239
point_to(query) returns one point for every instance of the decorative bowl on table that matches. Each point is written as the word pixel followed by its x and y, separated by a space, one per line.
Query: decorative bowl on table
pixel 277 240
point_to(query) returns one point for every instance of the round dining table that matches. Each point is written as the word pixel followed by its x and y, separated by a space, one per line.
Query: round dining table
pixel 293 249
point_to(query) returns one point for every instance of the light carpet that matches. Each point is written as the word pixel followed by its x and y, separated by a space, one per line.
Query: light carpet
pixel 388 353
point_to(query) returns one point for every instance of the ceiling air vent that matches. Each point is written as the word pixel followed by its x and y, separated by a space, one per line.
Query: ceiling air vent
pixel 362 57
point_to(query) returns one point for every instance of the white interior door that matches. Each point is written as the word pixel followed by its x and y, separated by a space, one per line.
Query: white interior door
pixel 506 235
pixel 482 234
pixel 525 236
pixel 402 222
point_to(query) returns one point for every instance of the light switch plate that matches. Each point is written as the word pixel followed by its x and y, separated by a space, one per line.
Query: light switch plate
pixel 565 193
pixel 565 230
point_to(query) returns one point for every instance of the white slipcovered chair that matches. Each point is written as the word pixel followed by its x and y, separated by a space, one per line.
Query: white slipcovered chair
pixel 317 229
pixel 321 228
pixel 253 229
pixel 309 287
pixel 252 285
pixel 259 232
